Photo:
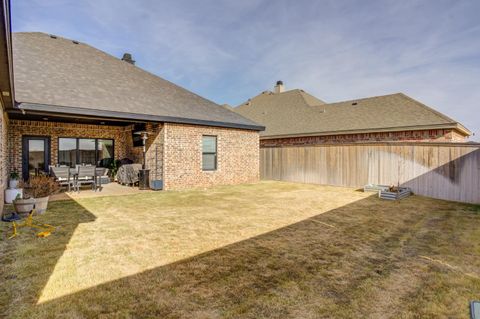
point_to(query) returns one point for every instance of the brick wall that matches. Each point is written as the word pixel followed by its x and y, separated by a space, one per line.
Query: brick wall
pixel 237 156
pixel 4 168
pixel 174 151
pixel 404 136
pixel 18 128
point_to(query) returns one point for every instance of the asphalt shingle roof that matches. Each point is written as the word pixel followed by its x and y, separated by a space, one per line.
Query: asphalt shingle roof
pixel 290 113
pixel 61 72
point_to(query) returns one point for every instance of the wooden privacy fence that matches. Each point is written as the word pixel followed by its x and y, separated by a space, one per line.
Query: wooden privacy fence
pixel 444 171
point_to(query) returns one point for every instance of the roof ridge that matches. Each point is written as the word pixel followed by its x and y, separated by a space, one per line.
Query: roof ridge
pixel 364 98
pixel 304 99
pixel 250 99
pixel 436 112
pixel 127 64
pixel 303 93
pixel 148 92
pixel 428 108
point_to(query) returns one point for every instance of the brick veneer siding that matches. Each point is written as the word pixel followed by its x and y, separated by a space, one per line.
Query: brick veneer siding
pixel 4 167
pixel 237 156
pixel 440 135
pixel 18 128
pixel 174 151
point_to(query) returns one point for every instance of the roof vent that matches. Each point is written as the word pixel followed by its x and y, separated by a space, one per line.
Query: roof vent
pixel 75 42
pixel 127 57
pixel 53 36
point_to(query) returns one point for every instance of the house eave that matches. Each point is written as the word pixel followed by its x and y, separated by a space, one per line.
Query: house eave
pixel 455 126
pixel 46 109
pixel 6 71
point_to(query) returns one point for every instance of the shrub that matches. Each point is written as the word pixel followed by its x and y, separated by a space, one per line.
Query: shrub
pixel 41 186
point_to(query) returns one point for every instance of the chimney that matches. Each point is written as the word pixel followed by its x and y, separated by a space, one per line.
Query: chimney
pixel 127 57
pixel 279 88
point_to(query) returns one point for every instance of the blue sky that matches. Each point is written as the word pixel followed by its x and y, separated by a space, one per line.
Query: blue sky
pixel 229 51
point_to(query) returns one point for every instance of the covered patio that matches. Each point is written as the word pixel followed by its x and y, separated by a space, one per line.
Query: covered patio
pixel 41 139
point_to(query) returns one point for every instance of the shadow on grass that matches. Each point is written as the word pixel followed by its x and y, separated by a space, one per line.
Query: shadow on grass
pixel 357 260
pixel 457 180
pixel 31 259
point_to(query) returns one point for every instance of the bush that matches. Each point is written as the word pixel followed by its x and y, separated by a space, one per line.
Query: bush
pixel 41 186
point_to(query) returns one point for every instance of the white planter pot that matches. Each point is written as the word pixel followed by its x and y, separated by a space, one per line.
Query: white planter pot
pixel 13 183
pixel 11 194
pixel 41 204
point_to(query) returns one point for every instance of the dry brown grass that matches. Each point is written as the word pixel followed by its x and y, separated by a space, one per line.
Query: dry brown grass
pixel 268 250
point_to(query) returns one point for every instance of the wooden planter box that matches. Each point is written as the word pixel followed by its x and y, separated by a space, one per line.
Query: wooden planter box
pixel 402 193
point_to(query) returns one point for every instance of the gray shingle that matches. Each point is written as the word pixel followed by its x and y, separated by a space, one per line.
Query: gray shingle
pixel 291 114
pixel 59 72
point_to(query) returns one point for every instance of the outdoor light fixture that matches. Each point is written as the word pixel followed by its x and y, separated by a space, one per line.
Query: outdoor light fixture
pixel 144 136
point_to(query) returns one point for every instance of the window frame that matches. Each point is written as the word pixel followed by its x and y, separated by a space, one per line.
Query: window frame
pixel 211 153
pixel 77 145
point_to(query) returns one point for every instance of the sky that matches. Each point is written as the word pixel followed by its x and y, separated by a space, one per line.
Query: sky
pixel 231 50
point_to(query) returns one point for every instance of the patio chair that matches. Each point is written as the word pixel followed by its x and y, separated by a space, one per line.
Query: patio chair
pixel 63 176
pixel 100 172
pixel 86 175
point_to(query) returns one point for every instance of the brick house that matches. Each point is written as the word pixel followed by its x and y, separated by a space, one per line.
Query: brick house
pixel 297 118
pixel 70 103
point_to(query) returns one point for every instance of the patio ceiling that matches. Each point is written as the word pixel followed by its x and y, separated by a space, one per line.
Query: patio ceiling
pixel 17 114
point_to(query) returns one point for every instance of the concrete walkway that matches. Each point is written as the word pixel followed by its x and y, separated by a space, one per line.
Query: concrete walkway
pixel 111 189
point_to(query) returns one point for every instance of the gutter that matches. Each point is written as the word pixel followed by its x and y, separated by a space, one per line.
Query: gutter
pixel 69 111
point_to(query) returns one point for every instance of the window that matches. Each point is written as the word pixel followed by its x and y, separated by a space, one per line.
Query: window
pixel 67 151
pixel 72 151
pixel 86 151
pixel 209 153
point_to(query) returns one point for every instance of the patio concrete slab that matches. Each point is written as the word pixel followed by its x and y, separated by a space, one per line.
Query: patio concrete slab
pixel 111 189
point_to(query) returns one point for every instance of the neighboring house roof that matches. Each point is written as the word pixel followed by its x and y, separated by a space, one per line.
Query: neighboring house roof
pixel 297 113
pixel 63 76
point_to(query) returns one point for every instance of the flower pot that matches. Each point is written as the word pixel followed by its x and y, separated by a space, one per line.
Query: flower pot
pixel 23 207
pixel 12 193
pixel 13 183
pixel 41 204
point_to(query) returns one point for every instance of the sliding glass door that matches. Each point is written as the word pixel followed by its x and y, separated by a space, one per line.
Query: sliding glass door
pixel 35 155
pixel 104 152
pixel 67 151
pixel 85 151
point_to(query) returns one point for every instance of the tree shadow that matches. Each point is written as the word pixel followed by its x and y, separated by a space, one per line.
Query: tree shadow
pixel 330 265
pixel 459 179
pixel 31 259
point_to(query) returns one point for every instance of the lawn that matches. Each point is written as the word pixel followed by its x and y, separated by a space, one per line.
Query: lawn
pixel 266 250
